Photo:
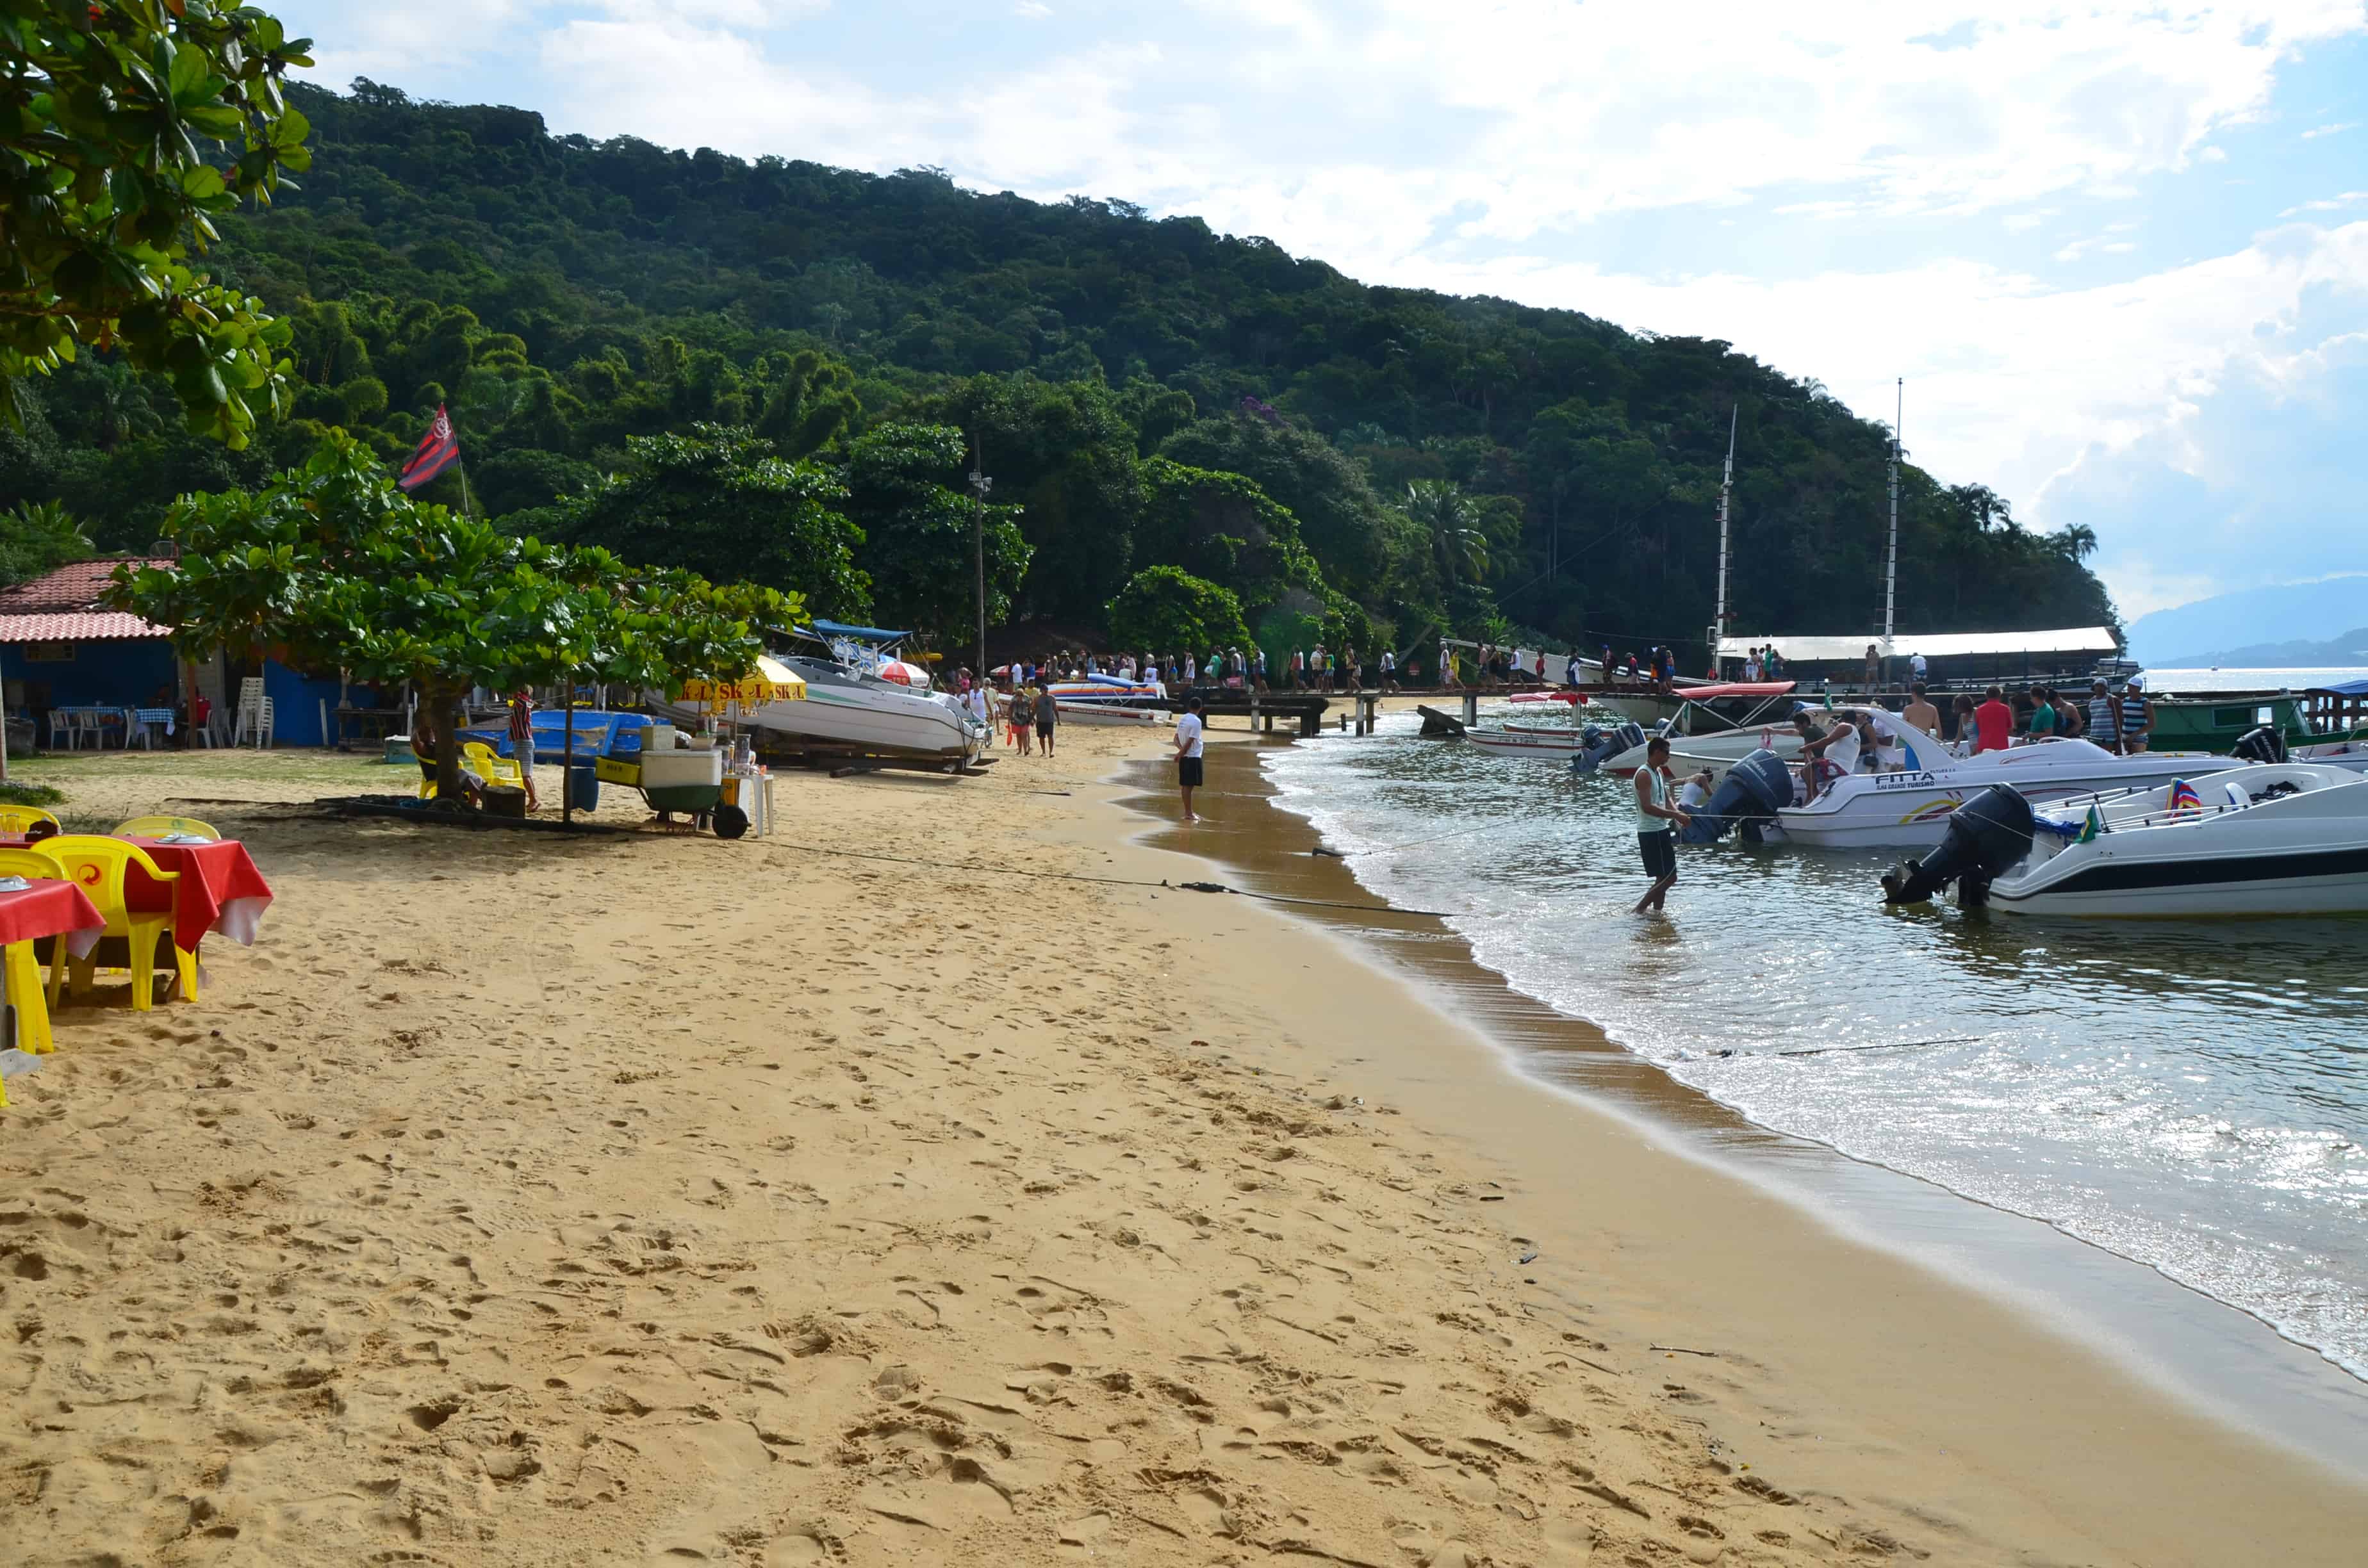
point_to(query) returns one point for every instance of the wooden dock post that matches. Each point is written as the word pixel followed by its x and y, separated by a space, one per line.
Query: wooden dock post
pixel 1471 708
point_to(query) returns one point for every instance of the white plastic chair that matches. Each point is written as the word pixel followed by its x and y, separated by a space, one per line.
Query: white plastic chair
pixel 63 730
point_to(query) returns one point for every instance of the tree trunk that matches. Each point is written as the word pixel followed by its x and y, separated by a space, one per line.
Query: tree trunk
pixel 445 707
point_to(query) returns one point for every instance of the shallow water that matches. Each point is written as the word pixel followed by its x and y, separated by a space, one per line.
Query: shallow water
pixel 2193 1096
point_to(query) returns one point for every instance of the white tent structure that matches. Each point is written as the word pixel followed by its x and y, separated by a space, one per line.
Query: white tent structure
pixel 2099 641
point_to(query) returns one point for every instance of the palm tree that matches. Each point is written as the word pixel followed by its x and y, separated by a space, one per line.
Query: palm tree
pixel 2077 540
pixel 1452 521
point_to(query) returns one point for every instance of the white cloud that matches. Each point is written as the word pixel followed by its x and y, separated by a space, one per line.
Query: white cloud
pixel 2009 380
pixel 2317 131
pixel 2326 203
pixel 1034 10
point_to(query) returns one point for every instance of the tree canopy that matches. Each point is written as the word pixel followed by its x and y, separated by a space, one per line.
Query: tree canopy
pixel 331 566
pixel 109 194
pixel 615 326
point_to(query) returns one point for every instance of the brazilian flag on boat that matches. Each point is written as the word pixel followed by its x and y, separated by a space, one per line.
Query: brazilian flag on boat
pixel 2094 828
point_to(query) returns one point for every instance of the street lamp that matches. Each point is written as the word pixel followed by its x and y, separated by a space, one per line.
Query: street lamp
pixel 979 485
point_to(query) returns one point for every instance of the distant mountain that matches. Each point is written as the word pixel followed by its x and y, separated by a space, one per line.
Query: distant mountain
pixel 2253 619
pixel 2352 648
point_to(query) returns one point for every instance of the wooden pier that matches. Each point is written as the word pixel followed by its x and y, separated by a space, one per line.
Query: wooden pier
pixel 1307 708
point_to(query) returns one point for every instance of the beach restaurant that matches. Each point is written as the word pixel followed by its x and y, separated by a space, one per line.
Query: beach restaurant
pixel 78 674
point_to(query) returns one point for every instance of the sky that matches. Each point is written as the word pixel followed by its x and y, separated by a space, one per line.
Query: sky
pixel 2119 252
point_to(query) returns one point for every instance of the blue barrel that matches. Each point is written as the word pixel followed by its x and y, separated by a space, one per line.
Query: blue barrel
pixel 584 788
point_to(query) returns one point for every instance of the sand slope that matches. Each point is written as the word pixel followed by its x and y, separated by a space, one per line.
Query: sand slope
pixel 519 1201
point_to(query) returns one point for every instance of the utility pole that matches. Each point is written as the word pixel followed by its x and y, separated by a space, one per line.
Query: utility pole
pixel 979 485
pixel 1891 570
pixel 1725 495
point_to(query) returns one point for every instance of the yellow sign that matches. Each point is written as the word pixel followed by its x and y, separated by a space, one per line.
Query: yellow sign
pixel 771 681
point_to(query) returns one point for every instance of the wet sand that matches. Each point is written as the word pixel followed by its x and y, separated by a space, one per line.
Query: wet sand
pixel 830 1198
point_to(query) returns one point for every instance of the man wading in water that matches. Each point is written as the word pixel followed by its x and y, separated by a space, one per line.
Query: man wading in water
pixel 1656 823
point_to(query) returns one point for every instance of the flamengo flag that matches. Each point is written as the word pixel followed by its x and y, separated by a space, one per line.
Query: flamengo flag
pixel 438 451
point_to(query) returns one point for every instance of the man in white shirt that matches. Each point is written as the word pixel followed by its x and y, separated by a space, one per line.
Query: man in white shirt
pixel 1916 666
pixel 1191 669
pixel 1389 669
pixel 1695 796
pixel 1187 754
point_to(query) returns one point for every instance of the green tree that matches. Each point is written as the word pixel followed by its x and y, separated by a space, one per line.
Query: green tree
pixel 37 536
pixel 1340 516
pixel 1165 608
pixel 333 567
pixel 917 531
pixel 1224 528
pixel 107 196
pixel 719 502
pixel 1451 523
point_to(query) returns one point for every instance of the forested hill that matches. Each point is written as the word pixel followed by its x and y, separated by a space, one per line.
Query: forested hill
pixel 1149 391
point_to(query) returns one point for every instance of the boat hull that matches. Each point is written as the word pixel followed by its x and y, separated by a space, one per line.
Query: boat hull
pixel 1544 748
pixel 2260 891
pixel 843 711
pixel 1904 810
pixel 1104 713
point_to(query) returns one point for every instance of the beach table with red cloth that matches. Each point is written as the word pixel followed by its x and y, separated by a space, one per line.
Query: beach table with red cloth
pixel 40 912
pixel 50 909
pixel 216 887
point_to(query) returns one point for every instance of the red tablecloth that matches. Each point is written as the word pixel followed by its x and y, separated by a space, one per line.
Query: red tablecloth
pixel 215 887
pixel 50 909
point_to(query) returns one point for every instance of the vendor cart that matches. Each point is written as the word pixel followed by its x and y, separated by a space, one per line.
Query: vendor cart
pixel 690 782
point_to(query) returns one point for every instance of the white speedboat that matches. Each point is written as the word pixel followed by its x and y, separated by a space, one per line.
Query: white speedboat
pixel 2277 838
pixel 2350 755
pixel 1540 743
pixel 1911 806
pixel 1111 700
pixel 1718 726
pixel 862 700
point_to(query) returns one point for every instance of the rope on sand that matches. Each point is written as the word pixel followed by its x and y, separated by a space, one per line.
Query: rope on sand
pixel 1110 881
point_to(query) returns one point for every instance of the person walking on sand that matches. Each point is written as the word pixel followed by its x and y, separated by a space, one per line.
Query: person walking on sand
pixel 1187 754
pixel 1657 820
pixel 522 741
pixel 1046 713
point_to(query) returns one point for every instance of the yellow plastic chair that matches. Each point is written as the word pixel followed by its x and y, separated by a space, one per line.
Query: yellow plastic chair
pixel 101 867
pixel 15 820
pixel 166 827
pixel 482 760
pixel 22 969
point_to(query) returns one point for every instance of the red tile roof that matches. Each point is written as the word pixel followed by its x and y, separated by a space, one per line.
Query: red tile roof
pixel 62 607
pixel 75 626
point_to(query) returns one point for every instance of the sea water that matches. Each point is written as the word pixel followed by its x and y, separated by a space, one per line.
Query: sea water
pixel 2192 1096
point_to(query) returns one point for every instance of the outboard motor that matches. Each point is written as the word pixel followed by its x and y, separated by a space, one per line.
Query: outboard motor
pixel 2264 744
pixel 1988 835
pixel 1747 799
pixel 1598 745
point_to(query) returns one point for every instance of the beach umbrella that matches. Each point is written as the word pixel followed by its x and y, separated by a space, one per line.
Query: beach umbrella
pixel 902 674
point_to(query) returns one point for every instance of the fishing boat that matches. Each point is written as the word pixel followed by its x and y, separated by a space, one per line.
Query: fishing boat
pixel 2258 839
pixel 1540 743
pixel 1111 700
pixel 862 700
pixel 1912 806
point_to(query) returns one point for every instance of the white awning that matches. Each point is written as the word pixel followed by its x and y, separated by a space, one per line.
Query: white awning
pixel 2099 640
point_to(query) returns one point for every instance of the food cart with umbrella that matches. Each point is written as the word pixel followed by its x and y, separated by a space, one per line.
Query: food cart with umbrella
pixel 693 778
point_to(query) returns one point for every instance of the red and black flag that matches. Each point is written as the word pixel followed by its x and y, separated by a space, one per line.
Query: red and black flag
pixel 438 451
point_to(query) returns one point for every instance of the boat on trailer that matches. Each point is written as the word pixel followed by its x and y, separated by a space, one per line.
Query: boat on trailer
pixel 861 701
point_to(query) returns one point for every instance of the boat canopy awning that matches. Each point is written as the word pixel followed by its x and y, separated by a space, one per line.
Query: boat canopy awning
pixel 828 629
pixel 1940 645
pixel 2349 688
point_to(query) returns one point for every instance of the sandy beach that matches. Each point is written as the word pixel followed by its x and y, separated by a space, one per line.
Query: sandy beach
pixel 652 1199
